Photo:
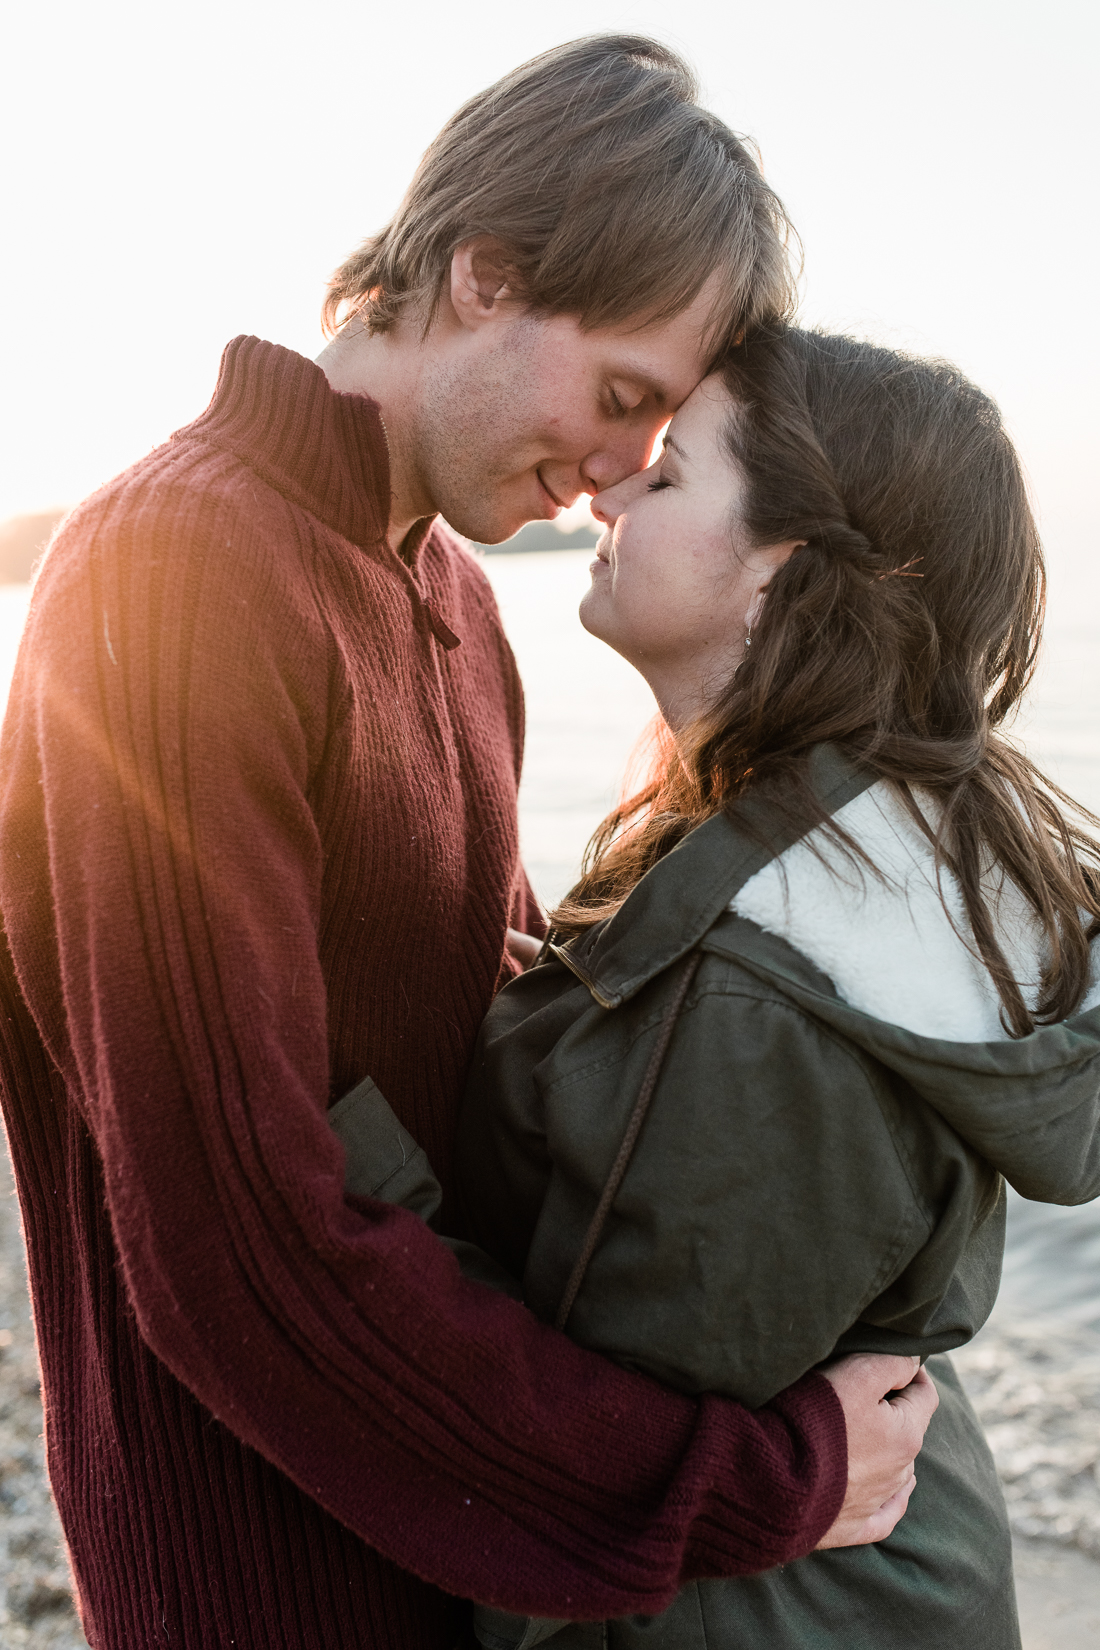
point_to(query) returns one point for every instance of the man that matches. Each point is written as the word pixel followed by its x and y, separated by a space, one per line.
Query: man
pixel 258 841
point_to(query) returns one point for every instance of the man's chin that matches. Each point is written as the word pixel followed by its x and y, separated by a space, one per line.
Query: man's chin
pixel 486 530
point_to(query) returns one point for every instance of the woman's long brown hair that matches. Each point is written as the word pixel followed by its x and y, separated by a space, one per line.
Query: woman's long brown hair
pixel 905 631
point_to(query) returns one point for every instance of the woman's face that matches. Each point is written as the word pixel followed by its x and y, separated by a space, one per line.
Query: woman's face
pixel 675 581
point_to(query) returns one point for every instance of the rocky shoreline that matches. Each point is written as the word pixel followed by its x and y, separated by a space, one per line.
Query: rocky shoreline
pixel 1035 1383
pixel 1036 1387
pixel 36 1610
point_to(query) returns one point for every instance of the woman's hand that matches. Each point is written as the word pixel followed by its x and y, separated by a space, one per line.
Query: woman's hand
pixel 522 948
pixel 888 1403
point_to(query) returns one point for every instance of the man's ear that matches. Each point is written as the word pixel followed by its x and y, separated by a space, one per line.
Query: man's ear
pixel 482 283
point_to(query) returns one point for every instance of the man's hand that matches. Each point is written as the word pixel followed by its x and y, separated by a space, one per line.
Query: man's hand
pixel 522 948
pixel 888 1403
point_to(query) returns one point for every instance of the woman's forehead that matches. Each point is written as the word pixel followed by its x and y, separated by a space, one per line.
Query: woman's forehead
pixel 697 424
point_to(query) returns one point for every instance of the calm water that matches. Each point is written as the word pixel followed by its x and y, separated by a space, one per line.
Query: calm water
pixel 585 712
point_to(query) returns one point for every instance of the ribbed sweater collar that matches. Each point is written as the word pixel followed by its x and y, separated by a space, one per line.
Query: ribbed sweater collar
pixel 324 451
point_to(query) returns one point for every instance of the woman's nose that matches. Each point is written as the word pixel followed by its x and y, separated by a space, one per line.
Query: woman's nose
pixel 603 507
pixel 609 502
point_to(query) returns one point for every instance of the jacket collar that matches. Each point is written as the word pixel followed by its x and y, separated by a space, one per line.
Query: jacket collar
pixel 685 893
pixel 323 451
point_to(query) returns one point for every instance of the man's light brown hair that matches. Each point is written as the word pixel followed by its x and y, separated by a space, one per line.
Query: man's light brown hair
pixel 611 193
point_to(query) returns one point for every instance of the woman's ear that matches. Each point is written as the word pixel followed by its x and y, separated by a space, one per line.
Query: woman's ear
pixel 754 609
pixel 770 560
pixel 480 276
pixel 780 554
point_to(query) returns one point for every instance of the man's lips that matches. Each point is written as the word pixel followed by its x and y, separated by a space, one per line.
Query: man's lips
pixel 556 502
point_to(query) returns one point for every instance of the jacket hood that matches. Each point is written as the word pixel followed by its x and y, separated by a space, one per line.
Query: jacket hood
pixel 896 940
pixel 878 961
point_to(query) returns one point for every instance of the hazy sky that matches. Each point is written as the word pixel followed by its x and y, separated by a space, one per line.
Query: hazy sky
pixel 176 175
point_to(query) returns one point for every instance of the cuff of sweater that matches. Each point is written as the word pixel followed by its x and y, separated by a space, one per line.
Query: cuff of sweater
pixel 785 1478
pixel 814 1412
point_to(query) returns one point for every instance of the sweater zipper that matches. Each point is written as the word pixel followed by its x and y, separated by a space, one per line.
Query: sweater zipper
pixel 437 624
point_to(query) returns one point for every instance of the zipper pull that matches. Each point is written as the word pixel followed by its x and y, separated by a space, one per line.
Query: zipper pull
pixel 442 631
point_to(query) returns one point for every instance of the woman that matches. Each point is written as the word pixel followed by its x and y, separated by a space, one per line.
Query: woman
pixel 823 982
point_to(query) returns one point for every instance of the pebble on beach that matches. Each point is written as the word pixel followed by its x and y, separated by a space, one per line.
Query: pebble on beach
pixel 1036 1387
pixel 36 1608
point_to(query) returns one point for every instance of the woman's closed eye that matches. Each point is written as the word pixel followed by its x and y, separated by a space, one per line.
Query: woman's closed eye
pixel 658 485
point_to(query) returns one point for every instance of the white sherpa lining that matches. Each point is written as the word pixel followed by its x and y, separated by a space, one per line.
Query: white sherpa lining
pixel 886 941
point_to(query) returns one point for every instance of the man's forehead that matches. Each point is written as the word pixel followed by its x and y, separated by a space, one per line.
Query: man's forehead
pixel 667 358
pixel 666 366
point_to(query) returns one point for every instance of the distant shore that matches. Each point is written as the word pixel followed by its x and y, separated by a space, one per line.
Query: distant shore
pixel 543 535
pixel 24 538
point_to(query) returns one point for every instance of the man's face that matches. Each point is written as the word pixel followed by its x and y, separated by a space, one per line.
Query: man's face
pixel 516 420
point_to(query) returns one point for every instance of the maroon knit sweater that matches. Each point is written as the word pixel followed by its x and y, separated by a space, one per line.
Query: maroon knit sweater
pixel 258 840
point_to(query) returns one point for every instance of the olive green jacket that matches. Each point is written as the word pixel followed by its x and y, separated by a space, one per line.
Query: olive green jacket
pixel 810 1180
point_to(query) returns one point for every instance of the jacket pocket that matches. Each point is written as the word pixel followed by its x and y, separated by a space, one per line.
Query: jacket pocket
pixel 382 1160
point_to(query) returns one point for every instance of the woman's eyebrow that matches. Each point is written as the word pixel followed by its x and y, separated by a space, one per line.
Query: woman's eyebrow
pixel 677 449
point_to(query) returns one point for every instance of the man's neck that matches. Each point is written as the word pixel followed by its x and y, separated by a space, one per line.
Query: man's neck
pixel 384 368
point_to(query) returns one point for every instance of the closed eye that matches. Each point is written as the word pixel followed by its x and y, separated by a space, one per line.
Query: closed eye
pixel 630 401
pixel 657 486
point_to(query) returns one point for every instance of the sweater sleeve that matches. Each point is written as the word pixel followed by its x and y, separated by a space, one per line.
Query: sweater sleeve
pixel 160 876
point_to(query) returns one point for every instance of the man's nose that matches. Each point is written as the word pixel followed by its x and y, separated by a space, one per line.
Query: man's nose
pixel 617 459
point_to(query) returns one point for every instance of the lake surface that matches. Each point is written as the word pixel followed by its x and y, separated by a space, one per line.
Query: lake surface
pixel 586 710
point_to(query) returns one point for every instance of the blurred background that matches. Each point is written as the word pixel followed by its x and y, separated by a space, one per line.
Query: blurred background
pixel 178 175
pixel 174 176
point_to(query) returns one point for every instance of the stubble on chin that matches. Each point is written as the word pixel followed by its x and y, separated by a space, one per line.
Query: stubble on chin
pixel 470 446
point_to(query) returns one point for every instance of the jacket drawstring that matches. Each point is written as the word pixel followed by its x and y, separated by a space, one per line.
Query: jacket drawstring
pixel 630 1140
